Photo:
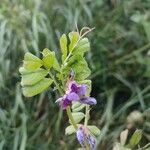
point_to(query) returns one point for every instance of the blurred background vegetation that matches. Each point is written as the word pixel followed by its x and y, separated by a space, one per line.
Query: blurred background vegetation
pixel 119 60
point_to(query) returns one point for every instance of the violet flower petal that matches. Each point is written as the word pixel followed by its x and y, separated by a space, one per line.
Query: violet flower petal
pixel 80 135
pixel 72 86
pixel 64 103
pixel 88 100
pixel 72 97
pixel 91 140
pixel 81 90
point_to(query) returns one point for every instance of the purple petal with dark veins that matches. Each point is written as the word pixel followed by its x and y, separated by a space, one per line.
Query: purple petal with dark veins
pixel 88 100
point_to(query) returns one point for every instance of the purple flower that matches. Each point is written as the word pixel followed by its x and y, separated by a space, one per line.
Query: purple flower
pixel 76 92
pixel 80 90
pixel 66 100
pixel 83 136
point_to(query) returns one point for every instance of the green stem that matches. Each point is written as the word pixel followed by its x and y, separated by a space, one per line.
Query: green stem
pixel 86 115
pixel 65 61
pixel 71 117
pixel 86 123
pixel 56 84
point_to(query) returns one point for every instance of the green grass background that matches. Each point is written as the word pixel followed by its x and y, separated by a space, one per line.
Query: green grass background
pixel 119 60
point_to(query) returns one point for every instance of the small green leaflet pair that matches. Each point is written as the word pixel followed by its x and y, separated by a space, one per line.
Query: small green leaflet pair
pixel 37 73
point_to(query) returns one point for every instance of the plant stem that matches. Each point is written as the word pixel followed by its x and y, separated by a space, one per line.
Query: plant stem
pixel 71 117
pixel 56 84
pixel 65 61
pixel 86 115
pixel 86 123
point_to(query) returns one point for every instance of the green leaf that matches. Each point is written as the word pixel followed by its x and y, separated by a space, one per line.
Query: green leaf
pixel 23 70
pixel 56 65
pixel 48 58
pixel 37 88
pixel 63 46
pixel 33 77
pixel 70 130
pixel 82 46
pixel 94 130
pixel 30 57
pixel 30 65
pixel 31 62
pixel 79 108
pixel 79 65
pixel 74 37
pixel 135 139
pixel 78 116
pixel 76 106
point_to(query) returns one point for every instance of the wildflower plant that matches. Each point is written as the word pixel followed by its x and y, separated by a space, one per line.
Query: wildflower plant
pixel 69 78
